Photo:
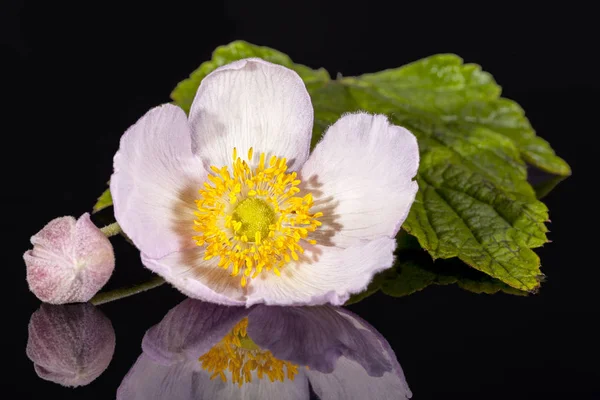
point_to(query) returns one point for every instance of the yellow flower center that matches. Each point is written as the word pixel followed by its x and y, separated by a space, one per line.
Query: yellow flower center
pixel 251 218
pixel 239 355
pixel 255 216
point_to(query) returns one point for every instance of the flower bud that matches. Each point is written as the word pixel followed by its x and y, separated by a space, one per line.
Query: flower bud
pixel 70 344
pixel 70 261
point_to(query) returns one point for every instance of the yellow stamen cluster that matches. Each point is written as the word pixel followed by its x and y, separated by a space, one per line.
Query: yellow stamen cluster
pixel 239 355
pixel 251 218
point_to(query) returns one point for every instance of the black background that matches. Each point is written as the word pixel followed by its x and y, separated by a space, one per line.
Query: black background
pixel 77 75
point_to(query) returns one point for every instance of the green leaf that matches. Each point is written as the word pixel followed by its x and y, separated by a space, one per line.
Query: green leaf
pixel 413 271
pixel 542 181
pixel 444 89
pixel 104 201
pixel 459 213
pixel 474 200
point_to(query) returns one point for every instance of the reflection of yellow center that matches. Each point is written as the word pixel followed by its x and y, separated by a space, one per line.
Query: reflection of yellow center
pixel 239 355
pixel 252 219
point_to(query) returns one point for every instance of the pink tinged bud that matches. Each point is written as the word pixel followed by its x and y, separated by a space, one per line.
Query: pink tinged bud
pixel 70 344
pixel 70 261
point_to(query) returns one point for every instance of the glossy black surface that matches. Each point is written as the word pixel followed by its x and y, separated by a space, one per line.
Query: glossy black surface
pixel 78 76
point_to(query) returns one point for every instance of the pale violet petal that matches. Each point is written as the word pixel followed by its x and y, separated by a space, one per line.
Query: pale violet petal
pixel 316 337
pixel 323 275
pixel 387 352
pixel 50 264
pixel 56 236
pixel 95 256
pixel 264 389
pixel 356 377
pixel 361 175
pixel 155 182
pixel 350 381
pixel 70 261
pixel 252 103
pixel 189 330
pixel 148 380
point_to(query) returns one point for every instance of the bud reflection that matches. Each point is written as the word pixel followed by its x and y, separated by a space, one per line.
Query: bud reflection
pixel 70 344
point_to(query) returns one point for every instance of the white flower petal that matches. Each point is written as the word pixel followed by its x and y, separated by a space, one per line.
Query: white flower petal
pixel 155 181
pixel 324 275
pixel 252 103
pixel 361 175
pixel 197 278
pixel 350 381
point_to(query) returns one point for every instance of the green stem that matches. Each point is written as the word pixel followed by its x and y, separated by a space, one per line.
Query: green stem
pixel 112 295
pixel 111 229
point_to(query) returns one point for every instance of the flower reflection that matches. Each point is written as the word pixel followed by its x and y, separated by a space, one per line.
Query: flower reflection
pixel 70 344
pixel 208 351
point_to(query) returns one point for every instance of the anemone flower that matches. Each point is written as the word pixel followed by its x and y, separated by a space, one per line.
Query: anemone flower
pixel 207 351
pixel 228 206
